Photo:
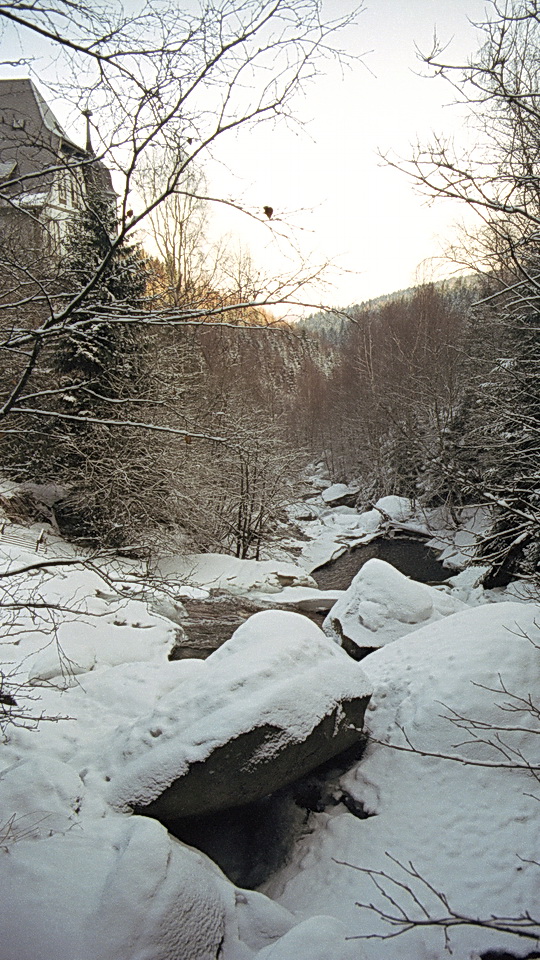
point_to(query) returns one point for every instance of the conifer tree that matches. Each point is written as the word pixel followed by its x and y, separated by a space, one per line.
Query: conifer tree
pixel 99 349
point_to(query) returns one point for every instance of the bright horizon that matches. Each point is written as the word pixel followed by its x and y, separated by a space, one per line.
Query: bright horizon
pixel 324 179
pixel 328 178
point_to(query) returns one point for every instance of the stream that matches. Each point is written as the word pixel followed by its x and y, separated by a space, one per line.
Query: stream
pixel 410 556
pixel 209 623
pixel 250 843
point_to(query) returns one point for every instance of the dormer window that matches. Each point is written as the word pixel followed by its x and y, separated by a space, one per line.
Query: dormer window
pixel 19 123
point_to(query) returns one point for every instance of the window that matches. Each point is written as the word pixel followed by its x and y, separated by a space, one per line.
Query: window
pixel 62 192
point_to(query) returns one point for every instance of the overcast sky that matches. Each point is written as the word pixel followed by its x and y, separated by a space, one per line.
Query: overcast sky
pixel 362 212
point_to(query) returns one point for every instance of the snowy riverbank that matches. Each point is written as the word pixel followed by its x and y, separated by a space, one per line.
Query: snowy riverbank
pixel 85 879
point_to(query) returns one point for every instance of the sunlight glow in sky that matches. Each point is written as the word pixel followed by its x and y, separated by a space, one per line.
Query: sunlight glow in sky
pixel 324 178
pixel 355 209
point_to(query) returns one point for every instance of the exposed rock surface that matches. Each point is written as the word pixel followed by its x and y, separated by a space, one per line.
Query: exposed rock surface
pixel 340 495
pixel 271 704
pixel 208 623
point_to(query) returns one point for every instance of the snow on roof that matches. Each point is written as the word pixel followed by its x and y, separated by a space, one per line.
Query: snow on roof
pixel 6 168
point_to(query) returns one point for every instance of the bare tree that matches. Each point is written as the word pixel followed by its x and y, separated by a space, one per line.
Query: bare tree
pixel 498 178
pixel 177 229
pixel 164 84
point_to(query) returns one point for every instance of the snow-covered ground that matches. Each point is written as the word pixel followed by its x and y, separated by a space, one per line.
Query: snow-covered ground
pixel 84 880
pixel 470 832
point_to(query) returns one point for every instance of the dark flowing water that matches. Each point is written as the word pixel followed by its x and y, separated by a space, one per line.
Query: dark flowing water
pixel 409 556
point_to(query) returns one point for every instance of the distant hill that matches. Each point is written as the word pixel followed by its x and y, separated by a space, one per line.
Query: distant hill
pixel 331 323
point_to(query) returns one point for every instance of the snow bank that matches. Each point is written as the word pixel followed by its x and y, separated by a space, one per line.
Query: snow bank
pixel 79 880
pixel 319 938
pixel 341 528
pixel 456 546
pixel 120 888
pixel 470 831
pixel 336 532
pixel 213 571
pixel 382 604
pixel 82 645
pixel 84 882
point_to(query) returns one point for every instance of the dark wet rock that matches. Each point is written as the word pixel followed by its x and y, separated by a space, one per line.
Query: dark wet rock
pixel 257 763
pixel 252 841
pixel 268 707
pixel 207 624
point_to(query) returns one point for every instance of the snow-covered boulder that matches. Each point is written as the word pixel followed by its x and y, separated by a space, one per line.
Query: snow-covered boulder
pixel 121 888
pixel 274 702
pixel 341 495
pixel 398 509
pixel 381 605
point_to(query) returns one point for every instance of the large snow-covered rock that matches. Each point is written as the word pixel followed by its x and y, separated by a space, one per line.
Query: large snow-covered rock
pixel 395 508
pixel 471 831
pixel 381 605
pixel 274 702
pixel 121 888
pixel 341 495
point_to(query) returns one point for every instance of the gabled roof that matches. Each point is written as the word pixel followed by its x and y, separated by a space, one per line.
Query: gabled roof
pixel 20 98
pixel 31 139
pixel 33 142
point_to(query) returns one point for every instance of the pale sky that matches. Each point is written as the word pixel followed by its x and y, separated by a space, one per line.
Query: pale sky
pixel 363 213
pixel 325 180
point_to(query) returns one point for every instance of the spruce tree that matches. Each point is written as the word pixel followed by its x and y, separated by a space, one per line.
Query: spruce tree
pixel 100 358
pixel 98 348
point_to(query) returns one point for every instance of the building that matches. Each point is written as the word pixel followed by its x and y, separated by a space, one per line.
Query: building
pixel 44 175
